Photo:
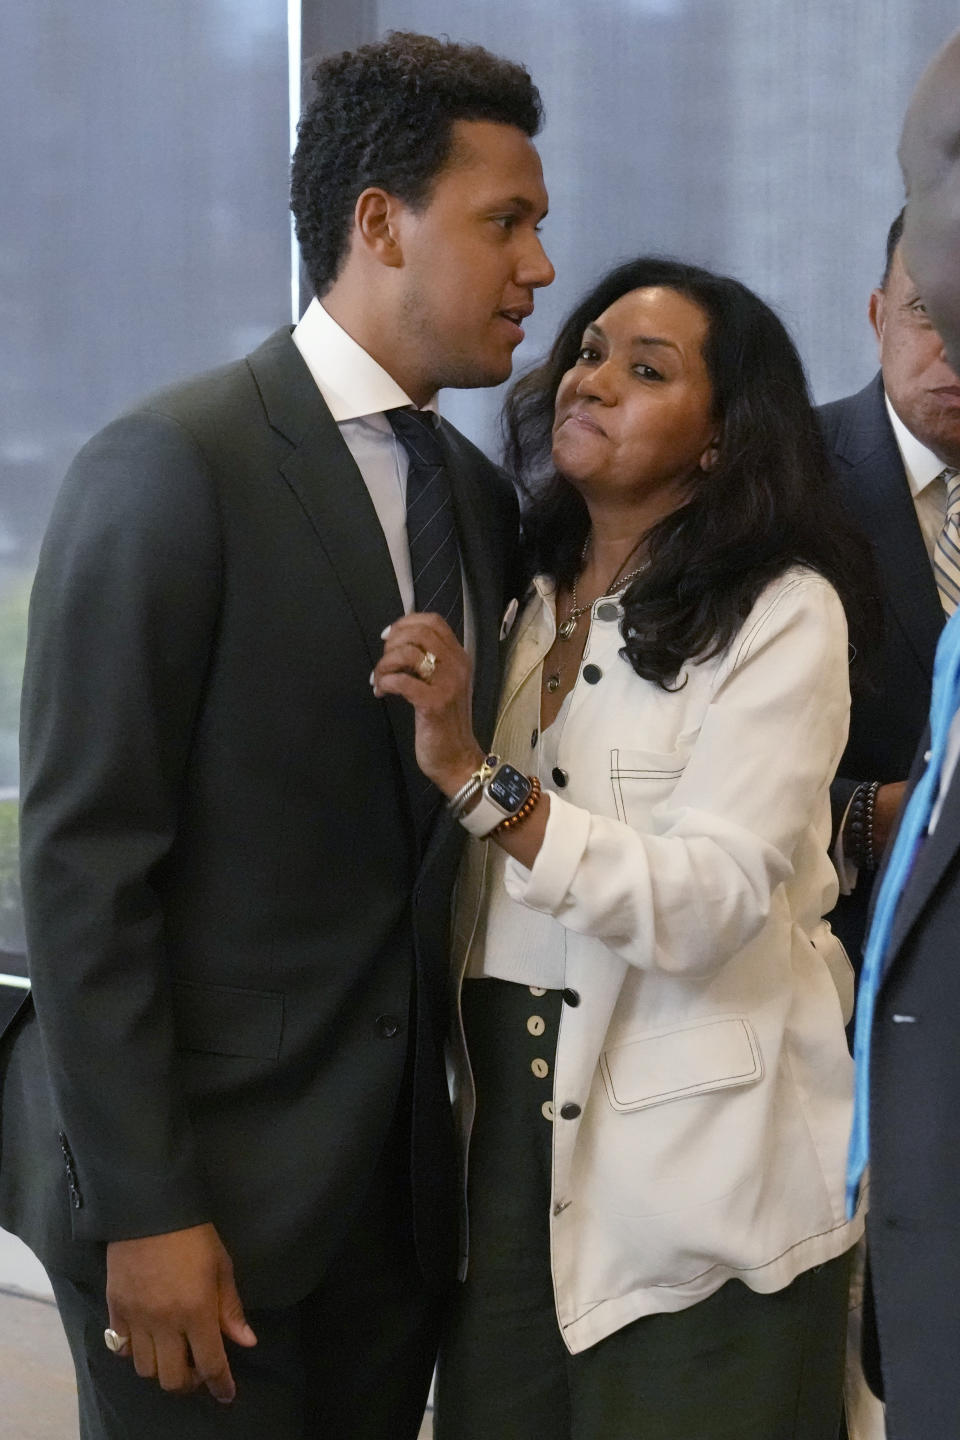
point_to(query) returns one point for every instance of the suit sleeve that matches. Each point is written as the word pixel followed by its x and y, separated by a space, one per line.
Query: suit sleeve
pixel 122 619
pixel 841 793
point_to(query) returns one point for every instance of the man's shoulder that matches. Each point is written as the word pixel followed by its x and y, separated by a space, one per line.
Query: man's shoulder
pixel 856 428
pixel 473 461
pixel 217 421
pixel 221 388
pixel 862 408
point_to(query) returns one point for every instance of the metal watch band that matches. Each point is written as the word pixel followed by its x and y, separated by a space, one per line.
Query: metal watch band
pixel 470 787
pixel 486 814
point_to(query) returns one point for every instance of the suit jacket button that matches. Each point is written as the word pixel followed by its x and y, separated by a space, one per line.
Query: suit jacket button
pixel 388 1026
pixel 608 611
pixel 571 997
pixel 560 777
pixel 569 1111
pixel 592 674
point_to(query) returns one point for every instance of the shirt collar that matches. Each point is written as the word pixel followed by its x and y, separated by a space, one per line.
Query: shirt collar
pixel 351 382
pixel 921 465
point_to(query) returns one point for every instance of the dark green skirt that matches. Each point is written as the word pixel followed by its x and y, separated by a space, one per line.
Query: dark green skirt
pixel 736 1366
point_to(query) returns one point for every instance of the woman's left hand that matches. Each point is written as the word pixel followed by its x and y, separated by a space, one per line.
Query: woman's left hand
pixel 424 663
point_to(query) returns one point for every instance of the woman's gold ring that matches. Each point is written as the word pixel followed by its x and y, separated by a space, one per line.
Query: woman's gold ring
pixel 426 666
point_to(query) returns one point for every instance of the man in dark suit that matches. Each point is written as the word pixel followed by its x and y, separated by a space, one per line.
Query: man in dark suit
pixel 893 445
pixel 908 1056
pixel 225 1114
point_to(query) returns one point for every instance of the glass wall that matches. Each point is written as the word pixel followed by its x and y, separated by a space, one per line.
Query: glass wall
pixel 145 236
pixel 756 138
pixel 149 234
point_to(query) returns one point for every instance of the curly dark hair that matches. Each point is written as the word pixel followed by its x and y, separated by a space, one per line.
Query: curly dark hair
pixel 768 503
pixel 383 115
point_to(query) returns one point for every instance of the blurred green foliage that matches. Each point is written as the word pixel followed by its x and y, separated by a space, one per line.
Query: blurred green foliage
pixel 11 913
pixel 14 598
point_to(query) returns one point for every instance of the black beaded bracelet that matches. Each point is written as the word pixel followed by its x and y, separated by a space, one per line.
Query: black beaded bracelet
pixel 858 841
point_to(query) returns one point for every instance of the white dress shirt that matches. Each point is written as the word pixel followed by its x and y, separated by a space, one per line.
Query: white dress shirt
pixel 357 391
pixel 922 468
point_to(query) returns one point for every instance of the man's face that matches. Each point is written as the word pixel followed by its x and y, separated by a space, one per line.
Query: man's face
pixel 922 388
pixel 472 259
pixel 930 159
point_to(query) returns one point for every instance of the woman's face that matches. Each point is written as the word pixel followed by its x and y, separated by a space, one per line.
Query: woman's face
pixel 634 416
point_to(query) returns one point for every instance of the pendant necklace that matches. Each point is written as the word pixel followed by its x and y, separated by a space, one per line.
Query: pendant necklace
pixel 569 625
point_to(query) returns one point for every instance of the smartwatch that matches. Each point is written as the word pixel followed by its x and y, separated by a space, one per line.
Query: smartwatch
pixel 504 793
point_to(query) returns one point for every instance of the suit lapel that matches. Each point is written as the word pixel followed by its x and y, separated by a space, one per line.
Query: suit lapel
pixel 937 852
pixel 877 493
pixel 324 477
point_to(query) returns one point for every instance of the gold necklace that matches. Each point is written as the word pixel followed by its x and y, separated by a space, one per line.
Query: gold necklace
pixel 569 625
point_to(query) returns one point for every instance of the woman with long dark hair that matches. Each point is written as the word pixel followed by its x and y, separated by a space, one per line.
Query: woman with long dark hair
pixel 653 1079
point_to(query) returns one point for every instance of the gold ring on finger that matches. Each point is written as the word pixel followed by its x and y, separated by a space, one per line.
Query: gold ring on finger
pixel 426 666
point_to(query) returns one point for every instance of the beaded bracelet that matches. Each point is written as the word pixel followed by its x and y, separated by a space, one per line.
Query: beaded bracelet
pixel 858 837
pixel 528 805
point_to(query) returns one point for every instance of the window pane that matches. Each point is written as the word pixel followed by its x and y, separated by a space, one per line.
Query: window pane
pixel 149 239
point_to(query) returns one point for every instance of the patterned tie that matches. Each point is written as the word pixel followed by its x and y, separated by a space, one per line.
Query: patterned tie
pixel 431 532
pixel 946 555
pixel 943 705
pixel 434 554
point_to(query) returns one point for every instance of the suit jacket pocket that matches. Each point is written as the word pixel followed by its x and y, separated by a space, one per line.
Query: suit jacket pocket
pixel 226 1020
pixel 641 779
pixel 715 1053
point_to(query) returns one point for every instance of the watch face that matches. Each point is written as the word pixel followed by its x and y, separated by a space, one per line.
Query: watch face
pixel 509 788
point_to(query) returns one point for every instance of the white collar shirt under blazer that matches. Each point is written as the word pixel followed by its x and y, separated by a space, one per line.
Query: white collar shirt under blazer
pixel 683 874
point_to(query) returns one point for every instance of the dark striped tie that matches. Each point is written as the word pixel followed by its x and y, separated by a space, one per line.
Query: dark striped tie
pixel 431 532
pixel 434 553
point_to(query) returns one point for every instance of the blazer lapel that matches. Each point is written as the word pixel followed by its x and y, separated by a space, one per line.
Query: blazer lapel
pixel 877 492
pixel 324 477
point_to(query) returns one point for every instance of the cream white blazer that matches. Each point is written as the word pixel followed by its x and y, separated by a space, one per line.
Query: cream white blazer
pixel 683 877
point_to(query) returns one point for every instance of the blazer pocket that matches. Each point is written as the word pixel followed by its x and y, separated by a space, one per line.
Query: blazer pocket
pixel 717 1053
pixel 641 779
pixel 226 1020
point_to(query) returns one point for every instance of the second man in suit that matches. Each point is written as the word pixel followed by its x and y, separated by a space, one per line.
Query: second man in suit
pixel 895 446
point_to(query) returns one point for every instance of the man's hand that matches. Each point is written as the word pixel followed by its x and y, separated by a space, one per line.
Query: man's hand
pixel 173 1295
pixel 886 808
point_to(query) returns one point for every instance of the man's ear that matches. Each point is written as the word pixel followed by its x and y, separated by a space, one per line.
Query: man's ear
pixel 877 312
pixel 376 229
